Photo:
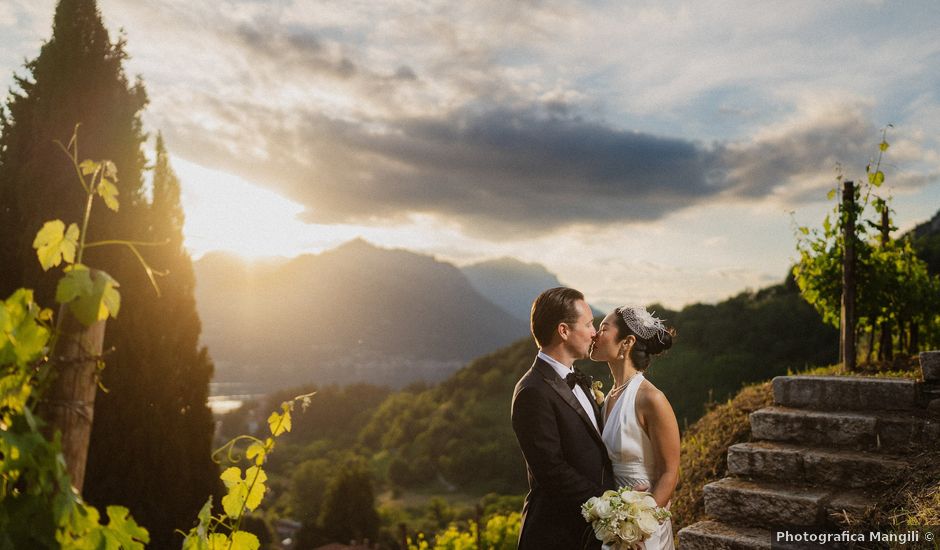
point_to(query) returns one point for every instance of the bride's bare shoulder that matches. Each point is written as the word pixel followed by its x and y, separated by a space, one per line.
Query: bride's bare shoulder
pixel 649 395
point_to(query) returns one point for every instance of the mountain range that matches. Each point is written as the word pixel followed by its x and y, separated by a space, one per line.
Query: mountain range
pixel 510 283
pixel 358 313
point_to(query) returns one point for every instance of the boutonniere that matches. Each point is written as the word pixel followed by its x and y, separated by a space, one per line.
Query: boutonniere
pixel 598 394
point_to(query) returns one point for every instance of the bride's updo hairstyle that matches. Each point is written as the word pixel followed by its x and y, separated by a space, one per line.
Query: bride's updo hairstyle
pixel 652 336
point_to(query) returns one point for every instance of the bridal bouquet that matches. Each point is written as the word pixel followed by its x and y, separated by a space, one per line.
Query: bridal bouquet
pixel 623 518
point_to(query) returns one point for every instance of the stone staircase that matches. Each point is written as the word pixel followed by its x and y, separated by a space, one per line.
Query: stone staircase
pixel 823 450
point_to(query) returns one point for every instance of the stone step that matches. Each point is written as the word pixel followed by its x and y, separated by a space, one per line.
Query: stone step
pixel 849 393
pixel 790 462
pixel 742 502
pixel 712 535
pixel 930 366
pixel 893 433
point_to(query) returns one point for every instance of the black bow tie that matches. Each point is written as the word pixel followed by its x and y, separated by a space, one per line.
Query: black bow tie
pixel 580 378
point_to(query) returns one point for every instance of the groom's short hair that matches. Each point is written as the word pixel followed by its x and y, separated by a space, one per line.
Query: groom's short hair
pixel 552 307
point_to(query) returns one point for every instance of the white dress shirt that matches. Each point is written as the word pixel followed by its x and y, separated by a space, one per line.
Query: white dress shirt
pixel 563 371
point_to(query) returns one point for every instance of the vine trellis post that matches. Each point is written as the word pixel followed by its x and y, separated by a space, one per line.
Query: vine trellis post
pixel 849 281
pixel 69 406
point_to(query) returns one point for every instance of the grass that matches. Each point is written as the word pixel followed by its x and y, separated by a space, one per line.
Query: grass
pixel 704 451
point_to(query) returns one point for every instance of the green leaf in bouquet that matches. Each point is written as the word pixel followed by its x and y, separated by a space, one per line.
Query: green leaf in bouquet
pixel 54 243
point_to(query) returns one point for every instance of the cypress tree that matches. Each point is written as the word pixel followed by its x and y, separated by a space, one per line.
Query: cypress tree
pixel 77 78
pixel 155 415
pixel 151 435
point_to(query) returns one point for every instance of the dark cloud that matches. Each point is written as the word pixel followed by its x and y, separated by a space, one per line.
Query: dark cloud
pixel 516 170
pixel 291 49
pixel 802 153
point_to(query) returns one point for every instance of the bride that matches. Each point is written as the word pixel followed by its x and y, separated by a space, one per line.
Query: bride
pixel 640 430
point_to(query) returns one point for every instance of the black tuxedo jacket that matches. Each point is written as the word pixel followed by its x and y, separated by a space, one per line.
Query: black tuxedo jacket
pixel 565 458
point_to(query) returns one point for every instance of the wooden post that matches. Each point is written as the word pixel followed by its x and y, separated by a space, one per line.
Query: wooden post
pixel 848 278
pixel 886 347
pixel 69 405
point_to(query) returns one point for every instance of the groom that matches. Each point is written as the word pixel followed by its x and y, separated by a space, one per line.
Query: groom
pixel 558 424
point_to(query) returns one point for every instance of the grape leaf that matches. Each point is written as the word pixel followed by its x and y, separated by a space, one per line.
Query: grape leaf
pixel 125 530
pixel 75 283
pixel 88 167
pixel 22 338
pixel 256 450
pixel 218 541
pixel 279 423
pixel 109 193
pixel 53 243
pixel 231 476
pixel 255 477
pixel 91 296
pixel 244 541
pixel 195 542
pixel 237 491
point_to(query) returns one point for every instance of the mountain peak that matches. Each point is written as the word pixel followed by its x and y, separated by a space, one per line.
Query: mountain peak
pixel 930 227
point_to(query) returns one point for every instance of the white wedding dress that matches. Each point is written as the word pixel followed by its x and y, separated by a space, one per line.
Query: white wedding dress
pixel 631 453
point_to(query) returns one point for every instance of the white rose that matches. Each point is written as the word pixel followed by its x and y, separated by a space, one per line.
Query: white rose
pixel 649 501
pixel 630 496
pixel 587 509
pixel 629 532
pixel 647 523
pixel 602 509
pixel 602 531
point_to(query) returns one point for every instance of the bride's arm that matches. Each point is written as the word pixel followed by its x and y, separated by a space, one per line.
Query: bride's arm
pixel 663 431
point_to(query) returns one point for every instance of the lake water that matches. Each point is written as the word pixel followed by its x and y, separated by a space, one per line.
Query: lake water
pixel 227 396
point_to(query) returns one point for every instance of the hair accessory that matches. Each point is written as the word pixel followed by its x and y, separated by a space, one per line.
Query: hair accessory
pixel 642 322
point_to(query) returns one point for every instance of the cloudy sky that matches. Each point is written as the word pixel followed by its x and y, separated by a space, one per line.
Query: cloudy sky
pixel 643 151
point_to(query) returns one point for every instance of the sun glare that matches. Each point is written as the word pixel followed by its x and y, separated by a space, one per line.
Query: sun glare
pixel 226 212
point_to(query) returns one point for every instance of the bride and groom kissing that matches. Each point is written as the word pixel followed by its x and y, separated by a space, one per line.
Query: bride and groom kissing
pixel 577 446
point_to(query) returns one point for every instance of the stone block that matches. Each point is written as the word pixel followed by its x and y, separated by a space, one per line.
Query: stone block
pixel 813 427
pixel 712 535
pixel 789 462
pixel 765 460
pixel 740 502
pixel 930 366
pixel 851 393
pixel 852 469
